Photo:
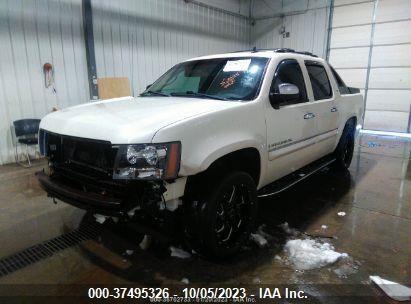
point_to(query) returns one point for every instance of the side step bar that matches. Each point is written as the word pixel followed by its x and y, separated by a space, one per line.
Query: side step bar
pixel 290 180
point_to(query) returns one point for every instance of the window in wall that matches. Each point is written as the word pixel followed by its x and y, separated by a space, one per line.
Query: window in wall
pixel 319 81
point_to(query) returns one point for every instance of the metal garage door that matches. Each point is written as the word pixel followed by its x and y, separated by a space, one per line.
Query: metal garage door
pixel 370 47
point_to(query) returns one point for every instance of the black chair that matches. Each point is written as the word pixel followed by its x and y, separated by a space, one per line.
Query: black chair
pixel 26 131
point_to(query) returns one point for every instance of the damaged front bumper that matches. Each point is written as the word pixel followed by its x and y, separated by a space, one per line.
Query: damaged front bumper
pixel 90 201
pixel 106 204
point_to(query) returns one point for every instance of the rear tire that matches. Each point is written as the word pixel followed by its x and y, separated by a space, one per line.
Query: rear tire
pixel 221 217
pixel 345 148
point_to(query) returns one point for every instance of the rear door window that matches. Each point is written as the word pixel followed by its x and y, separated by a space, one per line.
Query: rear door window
pixel 319 80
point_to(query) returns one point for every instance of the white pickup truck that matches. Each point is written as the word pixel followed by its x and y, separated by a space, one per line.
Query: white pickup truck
pixel 191 155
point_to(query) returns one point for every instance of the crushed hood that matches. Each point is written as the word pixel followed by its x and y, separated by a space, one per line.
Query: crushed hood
pixel 127 120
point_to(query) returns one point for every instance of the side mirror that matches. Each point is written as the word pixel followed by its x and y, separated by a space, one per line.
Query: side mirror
pixel 147 87
pixel 286 92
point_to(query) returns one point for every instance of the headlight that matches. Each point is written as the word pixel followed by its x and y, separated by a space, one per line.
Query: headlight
pixel 147 161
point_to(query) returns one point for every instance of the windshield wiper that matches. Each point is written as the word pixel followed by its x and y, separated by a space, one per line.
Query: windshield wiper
pixel 194 94
pixel 158 93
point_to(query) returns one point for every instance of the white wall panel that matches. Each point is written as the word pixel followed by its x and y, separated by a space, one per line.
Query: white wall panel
pixel 393 32
pixel 268 8
pixel 266 33
pixel 389 100
pixel 142 39
pixel 393 10
pixel 235 6
pixel 345 2
pixel 349 58
pixel 351 36
pixel 395 78
pixel 31 34
pixel 353 14
pixel 399 55
pixel 353 77
pixel 385 120
pixel 386 66
pixel 308 32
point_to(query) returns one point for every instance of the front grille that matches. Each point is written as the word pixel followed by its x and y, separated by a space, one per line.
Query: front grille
pixel 63 149
pixel 90 157
pixel 87 165
pixel 94 154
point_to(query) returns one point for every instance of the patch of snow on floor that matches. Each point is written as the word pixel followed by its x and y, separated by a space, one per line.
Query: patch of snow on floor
pixel 179 253
pixel 309 254
pixel 258 239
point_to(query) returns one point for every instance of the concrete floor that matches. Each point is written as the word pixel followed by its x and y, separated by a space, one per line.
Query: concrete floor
pixel 375 233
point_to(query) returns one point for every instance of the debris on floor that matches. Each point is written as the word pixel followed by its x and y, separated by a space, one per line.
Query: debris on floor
pixel 145 243
pixel 309 254
pixel 324 226
pixel 185 281
pixel 277 258
pixel 179 253
pixel 261 231
pixel 256 280
pixel 287 229
pixel 341 213
pixel 394 290
pixel 133 211
pixel 129 252
pixel 100 218
pixel 348 268
pixel 258 239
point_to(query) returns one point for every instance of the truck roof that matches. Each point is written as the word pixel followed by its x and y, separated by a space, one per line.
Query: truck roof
pixel 268 53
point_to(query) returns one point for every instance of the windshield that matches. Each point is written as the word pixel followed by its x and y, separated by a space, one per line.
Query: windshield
pixel 222 78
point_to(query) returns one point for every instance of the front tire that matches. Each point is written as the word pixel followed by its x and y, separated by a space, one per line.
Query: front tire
pixel 221 217
pixel 345 148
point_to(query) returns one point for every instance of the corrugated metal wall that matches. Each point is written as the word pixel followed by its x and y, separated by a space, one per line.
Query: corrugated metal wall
pixel 138 39
pixel 307 27
pixel 33 32
pixel 142 39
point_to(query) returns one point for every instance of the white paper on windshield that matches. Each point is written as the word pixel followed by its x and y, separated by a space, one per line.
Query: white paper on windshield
pixel 237 65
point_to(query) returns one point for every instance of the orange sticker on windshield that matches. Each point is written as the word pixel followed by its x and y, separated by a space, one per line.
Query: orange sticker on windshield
pixel 229 81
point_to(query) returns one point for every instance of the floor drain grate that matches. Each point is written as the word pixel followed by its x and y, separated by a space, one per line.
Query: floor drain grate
pixel 46 249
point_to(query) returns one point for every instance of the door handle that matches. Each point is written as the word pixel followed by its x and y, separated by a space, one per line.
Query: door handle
pixel 309 115
pixel 334 109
